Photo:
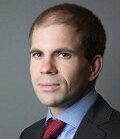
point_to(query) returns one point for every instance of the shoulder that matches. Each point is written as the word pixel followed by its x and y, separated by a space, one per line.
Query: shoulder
pixel 104 118
pixel 105 112
pixel 33 130
pixel 115 116
pixel 109 119
pixel 114 121
pixel 112 127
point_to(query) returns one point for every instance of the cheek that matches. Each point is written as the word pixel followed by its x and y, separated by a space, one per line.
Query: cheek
pixel 75 75
pixel 69 73
pixel 33 70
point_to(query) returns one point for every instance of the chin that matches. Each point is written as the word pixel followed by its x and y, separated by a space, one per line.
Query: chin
pixel 50 99
pixel 50 103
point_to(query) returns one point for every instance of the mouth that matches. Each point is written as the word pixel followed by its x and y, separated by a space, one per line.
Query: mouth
pixel 48 87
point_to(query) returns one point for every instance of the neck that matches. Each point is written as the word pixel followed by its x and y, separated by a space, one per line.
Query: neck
pixel 55 111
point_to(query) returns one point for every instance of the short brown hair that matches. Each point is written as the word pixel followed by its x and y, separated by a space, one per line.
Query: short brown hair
pixel 83 20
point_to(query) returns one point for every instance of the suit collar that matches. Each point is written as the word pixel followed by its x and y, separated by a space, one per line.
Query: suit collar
pixel 38 132
pixel 99 114
pixel 88 130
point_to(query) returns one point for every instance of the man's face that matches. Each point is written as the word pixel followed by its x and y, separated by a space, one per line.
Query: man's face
pixel 59 70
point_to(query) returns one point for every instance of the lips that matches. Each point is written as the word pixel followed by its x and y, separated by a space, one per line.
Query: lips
pixel 48 87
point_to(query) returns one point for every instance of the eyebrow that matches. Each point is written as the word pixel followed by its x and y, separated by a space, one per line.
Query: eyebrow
pixel 64 50
pixel 33 50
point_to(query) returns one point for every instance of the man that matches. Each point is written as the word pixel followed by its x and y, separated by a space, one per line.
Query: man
pixel 67 44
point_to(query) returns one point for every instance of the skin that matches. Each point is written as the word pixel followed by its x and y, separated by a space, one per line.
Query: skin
pixel 60 73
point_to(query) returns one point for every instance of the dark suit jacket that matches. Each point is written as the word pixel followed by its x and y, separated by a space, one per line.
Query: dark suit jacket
pixel 100 122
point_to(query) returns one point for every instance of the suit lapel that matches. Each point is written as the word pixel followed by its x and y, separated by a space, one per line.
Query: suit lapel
pixel 88 131
pixel 37 133
pixel 99 114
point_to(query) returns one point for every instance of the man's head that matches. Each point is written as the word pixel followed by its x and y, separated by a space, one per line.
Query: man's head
pixel 67 46
pixel 89 28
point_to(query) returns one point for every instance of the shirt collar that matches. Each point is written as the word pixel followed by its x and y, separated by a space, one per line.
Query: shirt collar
pixel 77 111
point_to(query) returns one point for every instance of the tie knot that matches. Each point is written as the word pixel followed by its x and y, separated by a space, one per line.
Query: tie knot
pixel 53 128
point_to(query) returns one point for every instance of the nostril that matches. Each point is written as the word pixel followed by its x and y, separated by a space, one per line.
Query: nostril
pixel 49 72
pixel 48 68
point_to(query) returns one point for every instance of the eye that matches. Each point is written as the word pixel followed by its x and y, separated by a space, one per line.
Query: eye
pixel 65 55
pixel 36 55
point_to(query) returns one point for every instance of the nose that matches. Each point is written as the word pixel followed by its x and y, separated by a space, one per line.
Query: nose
pixel 48 66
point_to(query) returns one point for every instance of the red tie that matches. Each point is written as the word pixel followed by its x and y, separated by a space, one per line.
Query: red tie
pixel 53 129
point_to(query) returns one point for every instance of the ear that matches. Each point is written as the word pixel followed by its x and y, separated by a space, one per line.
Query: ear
pixel 95 67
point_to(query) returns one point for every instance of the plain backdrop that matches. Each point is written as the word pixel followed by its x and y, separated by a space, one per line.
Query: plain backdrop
pixel 19 107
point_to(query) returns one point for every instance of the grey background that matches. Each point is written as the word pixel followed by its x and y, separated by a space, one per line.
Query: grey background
pixel 19 107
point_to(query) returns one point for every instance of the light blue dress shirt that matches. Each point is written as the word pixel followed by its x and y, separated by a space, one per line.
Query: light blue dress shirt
pixel 74 114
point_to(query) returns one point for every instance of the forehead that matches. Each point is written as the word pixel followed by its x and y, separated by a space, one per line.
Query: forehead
pixel 55 34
